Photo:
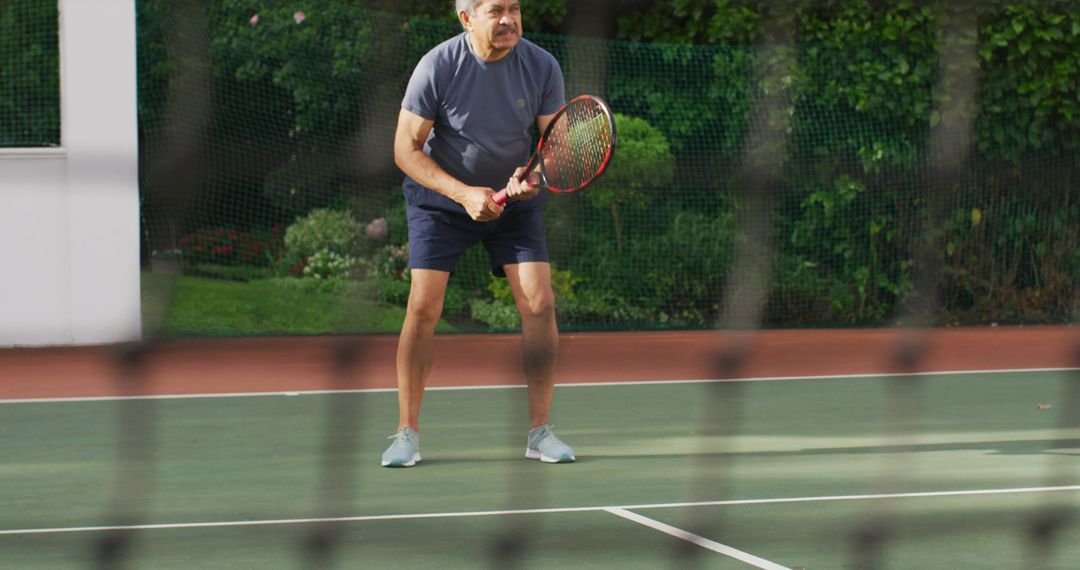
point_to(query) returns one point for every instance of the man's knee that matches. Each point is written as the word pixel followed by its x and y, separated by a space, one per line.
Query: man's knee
pixel 425 309
pixel 538 305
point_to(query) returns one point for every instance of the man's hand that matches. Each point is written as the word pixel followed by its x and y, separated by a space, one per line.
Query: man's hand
pixel 523 190
pixel 479 205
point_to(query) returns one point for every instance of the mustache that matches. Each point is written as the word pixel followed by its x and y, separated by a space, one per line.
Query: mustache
pixel 502 29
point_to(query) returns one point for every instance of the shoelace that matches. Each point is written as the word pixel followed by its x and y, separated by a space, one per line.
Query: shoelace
pixel 547 432
pixel 402 437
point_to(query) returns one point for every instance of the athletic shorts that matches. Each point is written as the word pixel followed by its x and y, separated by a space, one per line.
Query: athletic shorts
pixel 438 238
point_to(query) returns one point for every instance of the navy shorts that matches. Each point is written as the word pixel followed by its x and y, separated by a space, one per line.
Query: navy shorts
pixel 438 238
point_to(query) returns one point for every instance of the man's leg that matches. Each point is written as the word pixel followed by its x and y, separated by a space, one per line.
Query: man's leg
pixel 417 341
pixel 531 285
pixel 414 362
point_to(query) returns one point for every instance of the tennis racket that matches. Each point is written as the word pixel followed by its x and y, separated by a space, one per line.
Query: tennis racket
pixel 575 148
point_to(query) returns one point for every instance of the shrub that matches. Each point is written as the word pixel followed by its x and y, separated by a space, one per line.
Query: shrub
pixel 677 277
pixel 501 312
pixel 323 229
pixel 642 162
pixel 327 264
pixel 231 247
pixel 388 262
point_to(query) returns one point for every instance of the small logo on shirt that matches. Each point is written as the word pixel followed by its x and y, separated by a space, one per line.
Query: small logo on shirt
pixel 520 103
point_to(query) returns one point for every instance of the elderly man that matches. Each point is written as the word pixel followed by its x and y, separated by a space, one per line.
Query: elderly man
pixel 465 124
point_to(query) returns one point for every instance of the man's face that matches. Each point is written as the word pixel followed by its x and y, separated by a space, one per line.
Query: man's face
pixel 496 27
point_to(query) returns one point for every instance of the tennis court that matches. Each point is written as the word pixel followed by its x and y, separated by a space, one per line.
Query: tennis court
pixel 972 470
pixel 779 307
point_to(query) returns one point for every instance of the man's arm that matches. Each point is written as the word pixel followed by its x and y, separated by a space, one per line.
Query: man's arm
pixel 543 121
pixel 412 133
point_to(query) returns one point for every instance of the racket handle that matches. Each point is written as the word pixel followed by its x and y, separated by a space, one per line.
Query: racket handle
pixel 500 197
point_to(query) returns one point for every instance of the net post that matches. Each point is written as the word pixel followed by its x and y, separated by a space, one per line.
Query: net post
pixel 1047 527
pixel 950 148
pixel 746 290
pixel 340 449
pixel 135 439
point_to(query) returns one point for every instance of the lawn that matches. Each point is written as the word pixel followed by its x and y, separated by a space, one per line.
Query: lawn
pixel 183 306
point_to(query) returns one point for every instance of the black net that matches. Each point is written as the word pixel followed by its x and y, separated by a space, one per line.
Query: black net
pixel 267 166
pixel 29 74
pixel 905 177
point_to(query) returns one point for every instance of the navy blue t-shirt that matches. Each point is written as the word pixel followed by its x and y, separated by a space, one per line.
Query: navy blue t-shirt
pixel 484 113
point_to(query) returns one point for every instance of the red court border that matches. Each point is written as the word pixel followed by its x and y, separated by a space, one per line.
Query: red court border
pixel 284 364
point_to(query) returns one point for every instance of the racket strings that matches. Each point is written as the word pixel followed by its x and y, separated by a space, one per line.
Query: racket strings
pixel 578 146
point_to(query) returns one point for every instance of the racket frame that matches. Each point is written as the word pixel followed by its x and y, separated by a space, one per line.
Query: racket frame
pixel 537 159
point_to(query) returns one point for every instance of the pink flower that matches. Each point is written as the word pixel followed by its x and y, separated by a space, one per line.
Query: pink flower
pixel 377 229
pixel 299 17
pixel 254 20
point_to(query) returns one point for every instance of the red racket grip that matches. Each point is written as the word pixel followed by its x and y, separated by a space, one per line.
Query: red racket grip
pixel 500 197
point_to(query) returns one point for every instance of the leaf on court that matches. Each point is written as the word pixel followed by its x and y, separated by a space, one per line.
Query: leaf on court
pixel 1043 407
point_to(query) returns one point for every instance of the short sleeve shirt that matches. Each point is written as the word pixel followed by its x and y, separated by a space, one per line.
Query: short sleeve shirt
pixel 484 113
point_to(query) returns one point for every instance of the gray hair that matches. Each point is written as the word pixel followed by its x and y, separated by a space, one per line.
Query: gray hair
pixel 466 6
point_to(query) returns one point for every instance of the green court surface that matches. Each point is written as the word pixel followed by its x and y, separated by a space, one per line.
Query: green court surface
pixel 780 473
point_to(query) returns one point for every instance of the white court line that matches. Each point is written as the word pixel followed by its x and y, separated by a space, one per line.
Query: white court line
pixel 561 385
pixel 698 540
pixel 271 522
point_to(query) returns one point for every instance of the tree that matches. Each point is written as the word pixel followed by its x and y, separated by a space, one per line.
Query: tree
pixel 642 162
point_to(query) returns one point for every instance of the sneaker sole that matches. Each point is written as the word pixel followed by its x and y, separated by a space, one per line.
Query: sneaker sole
pixel 413 461
pixel 533 454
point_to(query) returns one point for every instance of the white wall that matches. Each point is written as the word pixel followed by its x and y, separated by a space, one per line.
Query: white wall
pixel 69 217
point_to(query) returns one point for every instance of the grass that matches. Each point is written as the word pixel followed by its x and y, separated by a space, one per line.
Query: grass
pixel 183 306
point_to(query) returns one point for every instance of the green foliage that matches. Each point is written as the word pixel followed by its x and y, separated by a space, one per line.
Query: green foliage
pixel 389 261
pixel 303 182
pixel 676 277
pixel 498 316
pixel 330 265
pixel 201 307
pixel 307 49
pixel 643 162
pixel 1030 58
pixel 500 311
pixel 847 238
pixel 29 74
pixel 865 102
pixel 536 15
pixel 232 247
pixel 1012 261
pixel 323 229
pixel 303 112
